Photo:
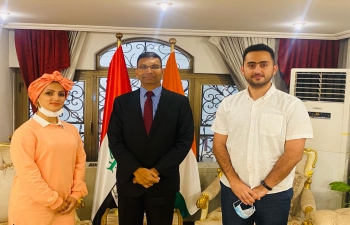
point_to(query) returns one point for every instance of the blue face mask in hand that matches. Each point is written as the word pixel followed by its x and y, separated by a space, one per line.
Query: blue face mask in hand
pixel 246 213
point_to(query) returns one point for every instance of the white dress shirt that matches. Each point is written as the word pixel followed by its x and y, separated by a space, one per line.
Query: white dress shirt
pixel 257 131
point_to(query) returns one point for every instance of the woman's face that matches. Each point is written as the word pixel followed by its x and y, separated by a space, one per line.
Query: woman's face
pixel 52 98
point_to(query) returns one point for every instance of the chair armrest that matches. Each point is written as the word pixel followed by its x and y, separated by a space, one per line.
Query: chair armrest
pixel 307 203
pixel 80 204
pixel 207 195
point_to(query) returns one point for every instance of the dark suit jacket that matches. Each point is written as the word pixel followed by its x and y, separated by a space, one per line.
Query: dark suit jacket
pixel 168 143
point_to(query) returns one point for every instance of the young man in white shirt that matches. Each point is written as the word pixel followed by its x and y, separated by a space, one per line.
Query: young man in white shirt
pixel 259 137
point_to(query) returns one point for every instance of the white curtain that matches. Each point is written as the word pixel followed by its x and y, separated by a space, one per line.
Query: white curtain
pixel 348 54
pixel 232 48
pixel 76 41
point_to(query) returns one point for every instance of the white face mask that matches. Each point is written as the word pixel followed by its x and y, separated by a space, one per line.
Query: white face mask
pixel 246 213
pixel 49 113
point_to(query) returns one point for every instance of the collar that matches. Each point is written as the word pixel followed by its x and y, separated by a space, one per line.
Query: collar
pixel 44 123
pixel 155 91
pixel 270 92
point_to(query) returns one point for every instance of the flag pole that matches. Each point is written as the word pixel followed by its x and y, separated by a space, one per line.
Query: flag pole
pixel 119 37
pixel 172 42
pixel 118 83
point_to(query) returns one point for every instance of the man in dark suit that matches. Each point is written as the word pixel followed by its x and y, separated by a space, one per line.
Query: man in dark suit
pixel 150 132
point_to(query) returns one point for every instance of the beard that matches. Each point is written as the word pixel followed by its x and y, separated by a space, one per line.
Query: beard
pixel 259 83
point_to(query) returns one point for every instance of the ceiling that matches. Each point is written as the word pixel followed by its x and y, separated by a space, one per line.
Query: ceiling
pixel 325 19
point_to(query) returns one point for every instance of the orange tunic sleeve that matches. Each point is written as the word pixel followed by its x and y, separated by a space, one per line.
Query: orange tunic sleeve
pixel 79 189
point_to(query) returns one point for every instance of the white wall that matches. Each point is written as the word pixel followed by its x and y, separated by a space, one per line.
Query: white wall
pixel 6 90
pixel 207 58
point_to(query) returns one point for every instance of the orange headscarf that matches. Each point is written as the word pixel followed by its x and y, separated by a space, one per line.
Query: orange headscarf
pixel 37 86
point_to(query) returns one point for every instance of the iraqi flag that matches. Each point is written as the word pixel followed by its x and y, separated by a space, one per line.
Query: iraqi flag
pixel 190 188
pixel 118 83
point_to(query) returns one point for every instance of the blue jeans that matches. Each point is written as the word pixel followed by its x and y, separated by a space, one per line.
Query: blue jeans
pixel 272 209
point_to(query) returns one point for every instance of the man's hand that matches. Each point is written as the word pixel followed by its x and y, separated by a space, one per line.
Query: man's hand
pixel 146 177
pixel 260 190
pixel 244 193
pixel 71 202
pixel 155 171
pixel 241 190
pixel 61 208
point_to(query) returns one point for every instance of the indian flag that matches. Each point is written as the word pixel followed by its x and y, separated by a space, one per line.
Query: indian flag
pixel 190 188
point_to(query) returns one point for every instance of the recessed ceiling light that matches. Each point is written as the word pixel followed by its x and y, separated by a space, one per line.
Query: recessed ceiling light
pixel 164 5
pixel 4 15
pixel 298 25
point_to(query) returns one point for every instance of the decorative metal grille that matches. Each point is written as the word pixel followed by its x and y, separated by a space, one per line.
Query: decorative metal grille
pixel 212 95
pixel 74 107
pixel 133 49
pixel 30 111
pixel 102 85
pixel 185 84
pixel 135 84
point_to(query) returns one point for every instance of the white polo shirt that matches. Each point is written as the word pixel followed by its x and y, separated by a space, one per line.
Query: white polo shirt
pixel 257 131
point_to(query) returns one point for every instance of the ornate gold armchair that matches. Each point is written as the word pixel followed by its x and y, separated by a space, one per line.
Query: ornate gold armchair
pixel 7 172
pixel 330 217
pixel 303 202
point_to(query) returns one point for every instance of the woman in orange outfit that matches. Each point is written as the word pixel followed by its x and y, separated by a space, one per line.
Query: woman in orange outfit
pixel 49 159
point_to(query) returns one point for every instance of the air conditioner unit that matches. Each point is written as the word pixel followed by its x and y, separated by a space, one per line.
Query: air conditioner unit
pixel 326 95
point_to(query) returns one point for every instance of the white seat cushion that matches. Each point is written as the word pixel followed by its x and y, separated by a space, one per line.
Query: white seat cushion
pixel 6 177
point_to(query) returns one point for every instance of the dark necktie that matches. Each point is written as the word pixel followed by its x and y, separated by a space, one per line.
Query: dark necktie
pixel 148 112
